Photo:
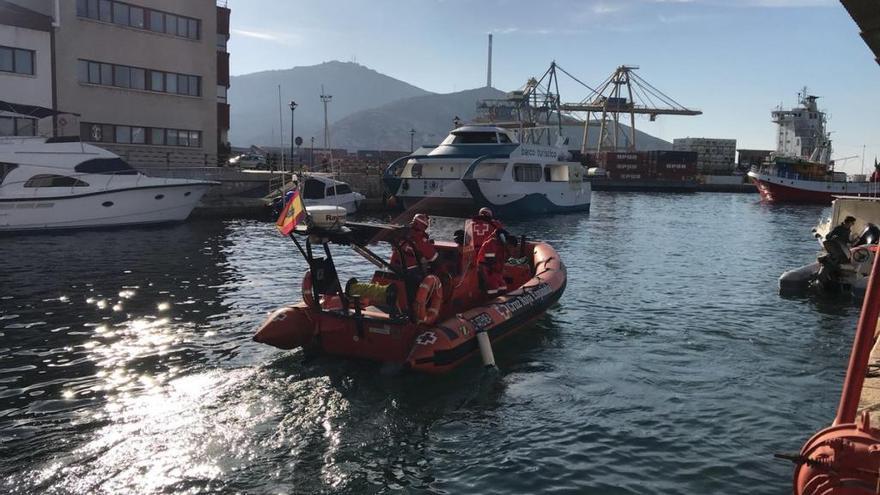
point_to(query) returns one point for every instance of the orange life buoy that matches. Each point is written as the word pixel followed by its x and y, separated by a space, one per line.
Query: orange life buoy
pixel 307 295
pixel 429 298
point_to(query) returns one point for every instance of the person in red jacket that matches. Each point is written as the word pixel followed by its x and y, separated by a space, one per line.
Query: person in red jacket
pixel 490 265
pixel 418 249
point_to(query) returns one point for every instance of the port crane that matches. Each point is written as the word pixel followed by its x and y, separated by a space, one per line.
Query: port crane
pixel 623 93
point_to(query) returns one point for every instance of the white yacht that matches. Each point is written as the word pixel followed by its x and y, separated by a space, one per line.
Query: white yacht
pixel 478 166
pixel 61 183
pixel 321 189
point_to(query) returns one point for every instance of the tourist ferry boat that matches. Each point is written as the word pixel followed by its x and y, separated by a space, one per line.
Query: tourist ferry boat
pixel 434 326
pixel 477 166
pixel 801 169
pixel 61 183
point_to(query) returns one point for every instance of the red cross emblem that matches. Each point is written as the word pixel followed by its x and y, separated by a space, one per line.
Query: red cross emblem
pixel 481 229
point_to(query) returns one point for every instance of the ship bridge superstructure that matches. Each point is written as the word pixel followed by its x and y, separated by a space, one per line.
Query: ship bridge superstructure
pixel 801 131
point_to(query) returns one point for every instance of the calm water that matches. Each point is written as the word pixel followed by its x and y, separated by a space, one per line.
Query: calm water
pixel 670 366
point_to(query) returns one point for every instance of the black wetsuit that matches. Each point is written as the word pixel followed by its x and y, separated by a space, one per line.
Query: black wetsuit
pixel 841 233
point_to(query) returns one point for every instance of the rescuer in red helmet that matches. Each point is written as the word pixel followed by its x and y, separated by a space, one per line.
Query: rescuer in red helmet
pixel 417 248
pixel 490 235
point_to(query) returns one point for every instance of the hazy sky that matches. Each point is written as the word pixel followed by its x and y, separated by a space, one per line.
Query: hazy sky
pixel 733 59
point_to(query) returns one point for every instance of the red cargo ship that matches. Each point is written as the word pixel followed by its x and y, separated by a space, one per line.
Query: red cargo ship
pixel 801 169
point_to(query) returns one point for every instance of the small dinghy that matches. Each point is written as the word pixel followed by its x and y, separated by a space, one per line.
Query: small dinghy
pixel 838 269
pixel 425 320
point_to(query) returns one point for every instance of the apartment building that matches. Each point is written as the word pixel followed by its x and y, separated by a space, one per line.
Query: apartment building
pixel 148 78
pixel 25 68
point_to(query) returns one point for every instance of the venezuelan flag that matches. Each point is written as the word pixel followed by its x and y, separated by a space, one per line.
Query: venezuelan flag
pixel 291 214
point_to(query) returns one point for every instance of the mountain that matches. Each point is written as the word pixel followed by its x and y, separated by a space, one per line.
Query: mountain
pixel 387 127
pixel 254 99
pixel 369 110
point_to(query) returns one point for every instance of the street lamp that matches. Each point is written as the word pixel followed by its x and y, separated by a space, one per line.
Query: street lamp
pixel 293 106
pixel 412 137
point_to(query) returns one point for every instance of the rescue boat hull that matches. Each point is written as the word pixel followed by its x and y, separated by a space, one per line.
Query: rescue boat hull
pixel 436 348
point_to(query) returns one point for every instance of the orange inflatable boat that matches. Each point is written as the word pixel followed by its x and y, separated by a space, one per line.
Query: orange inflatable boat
pixel 429 320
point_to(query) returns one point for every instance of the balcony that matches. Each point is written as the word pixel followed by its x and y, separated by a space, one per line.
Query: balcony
pixel 223 116
pixel 223 69
pixel 222 19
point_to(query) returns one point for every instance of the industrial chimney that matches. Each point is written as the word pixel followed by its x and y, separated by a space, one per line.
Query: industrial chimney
pixel 489 71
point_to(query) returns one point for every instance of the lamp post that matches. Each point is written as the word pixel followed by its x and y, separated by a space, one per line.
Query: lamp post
pixel 312 155
pixel 293 106
pixel 412 137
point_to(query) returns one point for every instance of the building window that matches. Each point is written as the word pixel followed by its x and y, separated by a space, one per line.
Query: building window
pixel 138 135
pixel 157 81
pixel 17 60
pixel 125 14
pixel 123 134
pixel 171 83
pixel 123 76
pixel 138 78
pixel 120 13
pixel 221 93
pixel 105 10
pixel 18 126
pixel 157 136
pixel 157 21
pixel 107 74
pixel 137 17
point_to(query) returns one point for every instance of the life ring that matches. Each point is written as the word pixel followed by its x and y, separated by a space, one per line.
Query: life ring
pixel 429 298
pixel 307 295
pixel 860 255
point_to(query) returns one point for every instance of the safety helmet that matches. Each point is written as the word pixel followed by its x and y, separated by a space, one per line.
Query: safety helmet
pixel 420 222
pixel 485 212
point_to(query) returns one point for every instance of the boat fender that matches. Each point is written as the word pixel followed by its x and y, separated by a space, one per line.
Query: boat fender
pixel 860 255
pixel 307 295
pixel 429 298
pixel 486 349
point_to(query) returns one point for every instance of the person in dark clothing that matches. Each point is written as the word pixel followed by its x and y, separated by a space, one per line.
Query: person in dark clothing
pixel 837 244
pixel 843 232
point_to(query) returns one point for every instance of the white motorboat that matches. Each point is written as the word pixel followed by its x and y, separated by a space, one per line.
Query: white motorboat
pixel 323 190
pixel 478 166
pixel 61 183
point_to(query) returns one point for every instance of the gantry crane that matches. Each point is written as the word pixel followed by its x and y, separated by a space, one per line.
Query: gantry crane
pixel 538 104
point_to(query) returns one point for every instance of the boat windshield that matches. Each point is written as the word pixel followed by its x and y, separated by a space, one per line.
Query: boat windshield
pixel 105 166
pixel 313 189
pixel 472 137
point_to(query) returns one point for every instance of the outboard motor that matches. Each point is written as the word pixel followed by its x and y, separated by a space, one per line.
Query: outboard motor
pixel 829 264
pixel 871 235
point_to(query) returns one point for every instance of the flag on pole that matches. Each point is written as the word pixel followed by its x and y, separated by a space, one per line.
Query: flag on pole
pixel 292 213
